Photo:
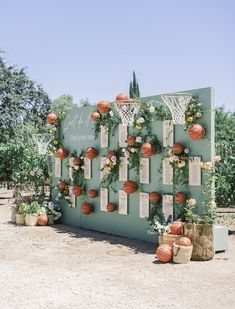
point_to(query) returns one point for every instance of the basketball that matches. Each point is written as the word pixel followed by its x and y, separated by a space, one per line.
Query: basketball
pixel 180 197
pixel 178 149
pixel 196 132
pixel 111 207
pixel 154 197
pixel 87 209
pixel 95 116
pixel 91 153
pixel 52 118
pixel 131 140
pixel 148 150
pixel 111 154
pixel 103 107
pixel 62 153
pixel 130 186
pixel 122 97
pixel 164 253
pixel 92 193
pixel 176 228
pixel 184 242
pixel 77 161
pixel 77 190
pixel 62 185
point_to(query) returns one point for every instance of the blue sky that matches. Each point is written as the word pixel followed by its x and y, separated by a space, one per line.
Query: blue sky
pixel 89 48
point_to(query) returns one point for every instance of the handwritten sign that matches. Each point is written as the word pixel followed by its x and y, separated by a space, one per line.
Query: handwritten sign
pixel 144 170
pixel 167 172
pixel 70 168
pixel 122 202
pixel 167 206
pixel 122 135
pixel 87 168
pixel 194 171
pixel 72 197
pixel 144 205
pixel 104 137
pixel 168 133
pixel 123 169
pixel 103 199
pixel 57 167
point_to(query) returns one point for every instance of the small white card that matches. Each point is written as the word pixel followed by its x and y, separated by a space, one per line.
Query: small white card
pixel 102 163
pixel 167 206
pixel 72 197
pixel 168 133
pixel 144 170
pixel 87 169
pixel 70 168
pixel 194 171
pixel 104 137
pixel 122 135
pixel 123 169
pixel 167 172
pixel 104 198
pixel 122 202
pixel 57 167
pixel 144 205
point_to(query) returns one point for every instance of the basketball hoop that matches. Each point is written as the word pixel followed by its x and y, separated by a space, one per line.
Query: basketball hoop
pixel 127 110
pixel 42 141
pixel 177 103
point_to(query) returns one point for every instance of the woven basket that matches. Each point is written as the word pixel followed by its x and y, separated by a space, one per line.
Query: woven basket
pixel 167 239
pixel 20 219
pixel 31 220
pixel 182 254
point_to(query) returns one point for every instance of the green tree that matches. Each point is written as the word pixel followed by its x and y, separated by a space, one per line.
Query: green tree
pixel 62 105
pixel 134 88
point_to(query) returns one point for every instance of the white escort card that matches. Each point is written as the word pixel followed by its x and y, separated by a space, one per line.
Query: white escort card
pixel 57 167
pixel 72 197
pixel 123 169
pixel 168 133
pixel 102 163
pixel 167 172
pixel 104 137
pixel 144 170
pixel 144 205
pixel 87 168
pixel 70 168
pixel 122 202
pixel 167 206
pixel 194 171
pixel 104 198
pixel 122 135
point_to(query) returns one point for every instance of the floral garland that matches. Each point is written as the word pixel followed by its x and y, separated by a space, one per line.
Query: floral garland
pixel 193 112
pixel 63 192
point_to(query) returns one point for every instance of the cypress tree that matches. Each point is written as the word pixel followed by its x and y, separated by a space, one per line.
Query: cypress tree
pixel 134 88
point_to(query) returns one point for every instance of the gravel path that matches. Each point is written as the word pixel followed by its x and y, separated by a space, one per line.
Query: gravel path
pixel 65 267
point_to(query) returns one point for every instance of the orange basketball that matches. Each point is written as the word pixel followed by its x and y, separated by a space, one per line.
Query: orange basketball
pixel 62 185
pixel 148 150
pixel 42 220
pixel 111 207
pixel 164 253
pixel 103 107
pixel 154 197
pixel 77 190
pixel 131 140
pixel 87 209
pixel 178 149
pixel 92 193
pixel 77 161
pixel 52 118
pixel 184 242
pixel 91 153
pixel 180 197
pixel 176 228
pixel 95 116
pixel 122 97
pixel 196 132
pixel 62 153
pixel 130 186
pixel 111 153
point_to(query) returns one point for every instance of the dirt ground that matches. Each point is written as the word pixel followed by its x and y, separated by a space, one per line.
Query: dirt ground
pixel 66 267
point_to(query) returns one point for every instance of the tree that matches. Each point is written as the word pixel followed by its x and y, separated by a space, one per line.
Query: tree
pixel 21 101
pixel 62 105
pixel 134 88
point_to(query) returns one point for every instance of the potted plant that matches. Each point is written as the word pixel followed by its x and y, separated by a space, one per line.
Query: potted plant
pixel 162 229
pixel 31 213
pixel 20 218
pixel 52 210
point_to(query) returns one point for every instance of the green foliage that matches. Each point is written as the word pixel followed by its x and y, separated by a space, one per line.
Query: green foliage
pixel 62 105
pixel 134 91
pixel 30 209
pixel 225 146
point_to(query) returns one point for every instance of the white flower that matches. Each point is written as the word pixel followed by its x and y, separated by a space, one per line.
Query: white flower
pixel 127 154
pixel 109 168
pixel 82 167
pixel 132 150
pixel 140 120
pixel 181 163
pixel 67 197
pixel 114 162
pixel 192 202
pixel 123 149
pixel 82 158
pixel 59 194
pixel 171 159
pixel 213 204
pixel 186 150
pixel 76 167
pixel 111 113
pixel 217 159
pixel 175 158
pixel 207 165
pixel 151 109
pixel 198 115
pixel 138 139
pixel 114 158
pixel 32 173
pixel 107 161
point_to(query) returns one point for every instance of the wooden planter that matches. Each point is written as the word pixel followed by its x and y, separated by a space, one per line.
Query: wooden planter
pixel 167 239
pixel 201 236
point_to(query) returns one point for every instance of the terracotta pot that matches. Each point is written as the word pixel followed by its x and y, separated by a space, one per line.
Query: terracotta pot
pixel 42 220
pixel 176 228
pixel 201 236
pixel 50 219
pixel 52 118
pixel 20 220
pixel 31 220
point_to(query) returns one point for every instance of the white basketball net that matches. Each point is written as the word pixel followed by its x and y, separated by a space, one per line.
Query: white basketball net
pixel 177 103
pixel 127 111
pixel 42 141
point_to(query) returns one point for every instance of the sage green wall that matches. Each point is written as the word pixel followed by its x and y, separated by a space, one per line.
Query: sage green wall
pixel 77 130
